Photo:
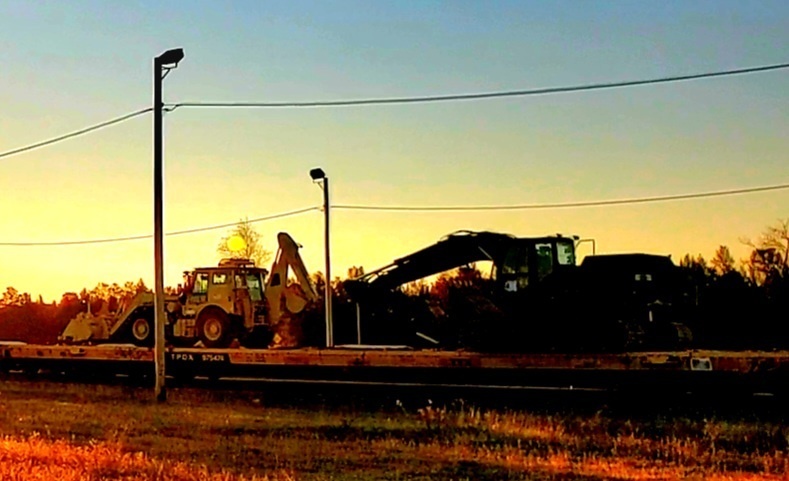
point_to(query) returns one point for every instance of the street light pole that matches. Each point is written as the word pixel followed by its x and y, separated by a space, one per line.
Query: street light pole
pixel 161 66
pixel 329 324
pixel 318 174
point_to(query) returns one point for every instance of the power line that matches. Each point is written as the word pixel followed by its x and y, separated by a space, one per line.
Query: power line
pixel 76 133
pixel 148 236
pixel 250 221
pixel 397 100
pixel 597 203
pixel 403 100
pixel 478 96
pixel 594 203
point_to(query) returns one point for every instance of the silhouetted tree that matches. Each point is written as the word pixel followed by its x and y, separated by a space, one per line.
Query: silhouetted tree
pixel 768 266
pixel 12 297
pixel 723 262
pixel 111 297
pixel 769 260
pixel 252 249
pixel 743 307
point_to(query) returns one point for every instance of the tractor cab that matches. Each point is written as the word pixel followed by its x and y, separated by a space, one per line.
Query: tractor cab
pixel 235 286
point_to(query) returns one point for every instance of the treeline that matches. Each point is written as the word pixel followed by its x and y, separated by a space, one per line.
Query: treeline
pixel 23 319
pixel 745 304
pixel 103 293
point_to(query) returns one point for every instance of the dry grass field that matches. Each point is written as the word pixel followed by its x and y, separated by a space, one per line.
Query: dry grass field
pixel 86 432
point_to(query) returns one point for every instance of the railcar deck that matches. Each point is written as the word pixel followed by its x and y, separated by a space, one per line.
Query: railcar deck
pixel 687 370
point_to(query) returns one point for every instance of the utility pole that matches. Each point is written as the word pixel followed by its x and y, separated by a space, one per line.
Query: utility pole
pixel 161 66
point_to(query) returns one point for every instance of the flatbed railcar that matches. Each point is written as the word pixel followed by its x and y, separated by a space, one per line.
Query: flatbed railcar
pixel 687 371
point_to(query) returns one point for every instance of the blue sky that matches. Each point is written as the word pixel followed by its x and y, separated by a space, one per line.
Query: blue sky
pixel 70 64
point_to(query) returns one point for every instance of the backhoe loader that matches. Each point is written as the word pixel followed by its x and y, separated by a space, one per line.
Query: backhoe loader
pixel 215 306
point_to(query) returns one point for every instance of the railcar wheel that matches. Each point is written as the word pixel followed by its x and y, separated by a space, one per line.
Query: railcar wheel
pixel 213 328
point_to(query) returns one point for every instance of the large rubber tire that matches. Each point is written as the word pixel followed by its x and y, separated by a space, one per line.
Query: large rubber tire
pixel 213 328
pixel 141 329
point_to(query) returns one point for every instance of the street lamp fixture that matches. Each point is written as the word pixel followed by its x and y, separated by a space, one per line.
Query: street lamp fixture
pixel 318 175
pixel 170 58
pixel 161 67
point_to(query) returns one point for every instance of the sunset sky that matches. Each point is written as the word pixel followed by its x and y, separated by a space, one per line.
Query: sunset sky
pixel 68 65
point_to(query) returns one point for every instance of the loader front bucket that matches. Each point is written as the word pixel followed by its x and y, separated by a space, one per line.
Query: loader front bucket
pixel 84 328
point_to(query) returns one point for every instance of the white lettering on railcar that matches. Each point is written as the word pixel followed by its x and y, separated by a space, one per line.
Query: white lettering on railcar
pixel 213 358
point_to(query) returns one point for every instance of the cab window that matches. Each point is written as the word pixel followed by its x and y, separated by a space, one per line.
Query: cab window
pixel 254 285
pixel 219 278
pixel 516 261
pixel 515 269
pixel 544 259
pixel 201 283
pixel 565 252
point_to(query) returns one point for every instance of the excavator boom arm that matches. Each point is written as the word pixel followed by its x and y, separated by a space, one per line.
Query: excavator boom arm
pixel 454 250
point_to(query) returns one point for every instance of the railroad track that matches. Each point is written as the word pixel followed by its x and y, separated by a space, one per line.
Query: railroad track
pixel 375 396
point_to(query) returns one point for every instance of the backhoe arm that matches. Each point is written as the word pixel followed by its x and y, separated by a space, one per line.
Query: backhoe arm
pixel 287 301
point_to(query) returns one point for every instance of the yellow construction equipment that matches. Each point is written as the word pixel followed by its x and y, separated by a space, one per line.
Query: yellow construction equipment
pixel 215 305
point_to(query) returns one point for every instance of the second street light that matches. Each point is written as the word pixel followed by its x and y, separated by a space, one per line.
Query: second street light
pixel 161 67
pixel 318 175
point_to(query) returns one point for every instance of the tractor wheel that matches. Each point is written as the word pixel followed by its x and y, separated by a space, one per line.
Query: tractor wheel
pixel 213 328
pixel 141 330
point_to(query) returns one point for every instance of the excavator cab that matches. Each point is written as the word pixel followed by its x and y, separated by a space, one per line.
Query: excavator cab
pixel 528 261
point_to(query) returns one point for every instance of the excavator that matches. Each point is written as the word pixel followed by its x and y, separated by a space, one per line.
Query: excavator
pixel 215 306
pixel 535 299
